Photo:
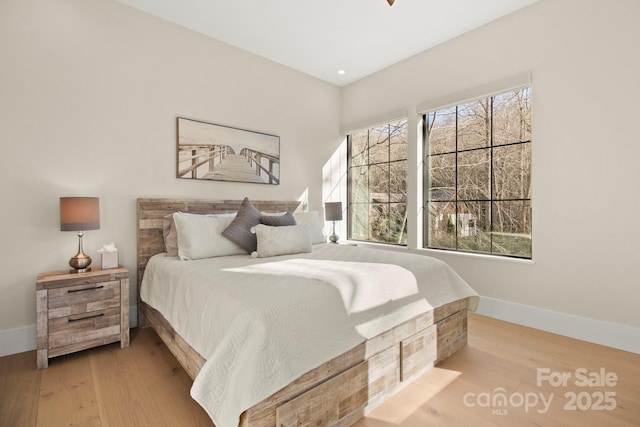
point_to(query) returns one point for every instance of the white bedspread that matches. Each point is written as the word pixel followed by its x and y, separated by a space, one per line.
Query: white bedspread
pixel 261 323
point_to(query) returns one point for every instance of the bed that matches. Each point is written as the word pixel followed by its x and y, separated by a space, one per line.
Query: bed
pixel 344 376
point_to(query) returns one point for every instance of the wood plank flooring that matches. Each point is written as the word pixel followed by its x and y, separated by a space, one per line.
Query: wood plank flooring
pixel 143 385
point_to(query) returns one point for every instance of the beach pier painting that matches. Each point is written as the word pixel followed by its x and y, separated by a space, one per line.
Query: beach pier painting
pixel 220 153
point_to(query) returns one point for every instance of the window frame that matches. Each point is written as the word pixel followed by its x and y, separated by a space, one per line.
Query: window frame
pixel 492 199
pixel 388 162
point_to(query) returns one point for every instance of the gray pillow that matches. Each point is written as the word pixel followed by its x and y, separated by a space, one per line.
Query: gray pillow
pixel 278 220
pixel 239 229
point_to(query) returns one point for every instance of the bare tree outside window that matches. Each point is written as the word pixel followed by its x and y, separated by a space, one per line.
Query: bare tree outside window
pixel 478 181
pixel 378 184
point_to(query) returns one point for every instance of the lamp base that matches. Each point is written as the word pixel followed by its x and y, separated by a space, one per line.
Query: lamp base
pixel 80 262
pixel 333 238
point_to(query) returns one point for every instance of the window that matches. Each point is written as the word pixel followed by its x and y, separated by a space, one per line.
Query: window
pixel 478 176
pixel 377 176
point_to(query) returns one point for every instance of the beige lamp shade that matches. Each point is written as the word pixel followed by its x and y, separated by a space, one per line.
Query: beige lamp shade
pixel 79 213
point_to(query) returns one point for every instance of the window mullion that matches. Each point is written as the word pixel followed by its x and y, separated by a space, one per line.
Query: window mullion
pixel 456 185
pixel 369 201
pixel 389 182
pixel 491 179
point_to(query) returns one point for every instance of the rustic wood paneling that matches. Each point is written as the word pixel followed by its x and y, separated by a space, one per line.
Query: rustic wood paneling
pixel 83 298
pixel 76 311
pixel 336 401
pixel 190 359
pixel 452 334
pixel 124 312
pixel 76 329
pixel 418 353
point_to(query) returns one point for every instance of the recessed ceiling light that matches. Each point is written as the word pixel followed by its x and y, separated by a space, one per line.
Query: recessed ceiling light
pixel 342 72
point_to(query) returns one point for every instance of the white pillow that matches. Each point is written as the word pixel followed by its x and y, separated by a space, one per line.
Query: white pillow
pixel 312 219
pixel 283 240
pixel 170 234
pixel 200 236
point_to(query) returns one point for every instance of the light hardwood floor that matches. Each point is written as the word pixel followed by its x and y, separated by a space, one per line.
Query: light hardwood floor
pixel 143 385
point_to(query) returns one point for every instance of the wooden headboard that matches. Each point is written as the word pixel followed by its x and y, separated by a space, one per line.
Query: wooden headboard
pixel 151 211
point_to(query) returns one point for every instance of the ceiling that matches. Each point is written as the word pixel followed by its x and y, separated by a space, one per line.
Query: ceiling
pixel 321 37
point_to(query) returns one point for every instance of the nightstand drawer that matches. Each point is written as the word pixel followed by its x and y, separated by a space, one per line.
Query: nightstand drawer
pixel 85 327
pixel 85 298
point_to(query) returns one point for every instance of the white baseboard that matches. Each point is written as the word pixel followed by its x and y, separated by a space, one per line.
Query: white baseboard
pixel 17 340
pixel 23 339
pixel 609 334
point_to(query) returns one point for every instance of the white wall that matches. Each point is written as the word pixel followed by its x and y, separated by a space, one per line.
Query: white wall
pixel 89 94
pixel 584 64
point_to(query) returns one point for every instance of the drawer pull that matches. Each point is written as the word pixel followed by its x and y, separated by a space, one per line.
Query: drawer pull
pixel 85 289
pixel 85 318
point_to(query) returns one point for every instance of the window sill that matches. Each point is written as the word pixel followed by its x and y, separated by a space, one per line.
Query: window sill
pixel 438 253
pixel 382 246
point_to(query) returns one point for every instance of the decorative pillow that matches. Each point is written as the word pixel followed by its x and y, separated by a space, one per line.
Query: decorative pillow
pixel 200 236
pixel 291 239
pixel 278 220
pixel 312 219
pixel 239 231
pixel 170 234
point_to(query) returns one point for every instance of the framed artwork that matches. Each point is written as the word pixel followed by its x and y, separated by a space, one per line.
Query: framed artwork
pixel 220 153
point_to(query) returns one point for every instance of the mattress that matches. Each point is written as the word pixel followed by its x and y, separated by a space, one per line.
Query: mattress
pixel 260 323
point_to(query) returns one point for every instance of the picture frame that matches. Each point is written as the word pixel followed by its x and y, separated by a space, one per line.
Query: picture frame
pixel 208 151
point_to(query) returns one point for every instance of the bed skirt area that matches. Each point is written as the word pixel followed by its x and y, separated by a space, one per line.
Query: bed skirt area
pixel 344 389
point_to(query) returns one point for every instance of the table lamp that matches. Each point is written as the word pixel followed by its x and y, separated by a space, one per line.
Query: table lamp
pixel 79 214
pixel 333 212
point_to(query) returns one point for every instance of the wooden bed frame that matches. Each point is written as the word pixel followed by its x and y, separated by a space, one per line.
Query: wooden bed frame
pixel 340 391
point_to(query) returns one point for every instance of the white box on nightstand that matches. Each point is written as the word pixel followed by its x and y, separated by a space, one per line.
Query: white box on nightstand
pixel 109 260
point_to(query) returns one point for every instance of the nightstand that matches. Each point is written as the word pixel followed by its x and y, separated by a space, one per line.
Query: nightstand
pixel 76 311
